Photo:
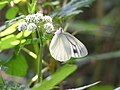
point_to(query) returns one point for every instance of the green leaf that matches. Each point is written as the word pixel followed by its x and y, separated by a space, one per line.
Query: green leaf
pixel 2 4
pixel 12 12
pixel 29 41
pixel 72 8
pixel 101 88
pixel 17 66
pixel 13 40
pixel 10 29
pixel 56 78
pixel 8 42
pixel 26 42
pixel 32 6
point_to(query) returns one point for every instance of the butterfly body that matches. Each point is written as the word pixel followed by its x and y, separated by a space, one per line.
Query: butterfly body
pixel 64 46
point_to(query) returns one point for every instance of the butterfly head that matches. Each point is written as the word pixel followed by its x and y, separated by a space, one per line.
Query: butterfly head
pixel 59 31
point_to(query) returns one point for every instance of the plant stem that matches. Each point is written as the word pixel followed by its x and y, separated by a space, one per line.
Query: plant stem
pixel 36 49
pixel 40 56
pixel 30 53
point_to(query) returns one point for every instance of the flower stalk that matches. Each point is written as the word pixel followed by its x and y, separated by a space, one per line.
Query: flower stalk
pixel 40 56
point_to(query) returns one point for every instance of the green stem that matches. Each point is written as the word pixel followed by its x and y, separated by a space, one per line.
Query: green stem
pixel 36 49
pixel 30 53
pixel 40 57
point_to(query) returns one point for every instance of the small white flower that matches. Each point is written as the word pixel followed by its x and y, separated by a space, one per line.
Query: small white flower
pixel 30 18
pixel 32 27
pixel 39 15
pixel 49 27
pixel 47 19
pixel 22 26
pixel 38 18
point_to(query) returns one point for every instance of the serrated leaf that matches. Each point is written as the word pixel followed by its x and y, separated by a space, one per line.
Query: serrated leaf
pixel 32 6
pixel 26 42
pixel 73 7
pixel 17 66
pixel 10 29
pixel 29 41
pixel 13 40
pixel 56 78
pixel 6 42
pixel 11 12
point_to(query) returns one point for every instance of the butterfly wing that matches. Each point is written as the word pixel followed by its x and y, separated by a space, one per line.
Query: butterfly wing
pixel 60 48
pixel 77 48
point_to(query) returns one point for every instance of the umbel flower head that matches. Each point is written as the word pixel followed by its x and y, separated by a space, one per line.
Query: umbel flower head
pixel 32 27
pixel 22 26
pixel 47 19
pixel 29 18
pixel 33 21
pixel 39 16
pixel 34 18
pixel 49 27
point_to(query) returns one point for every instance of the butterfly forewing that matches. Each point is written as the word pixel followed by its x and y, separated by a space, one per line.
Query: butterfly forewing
pixel 60 48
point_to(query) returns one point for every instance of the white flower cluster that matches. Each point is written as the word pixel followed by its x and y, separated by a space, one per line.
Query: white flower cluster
pixel 47 19
pixel 22 26
pixel 48 24
pixel 49 27
pixel 34 20
pixel 31 27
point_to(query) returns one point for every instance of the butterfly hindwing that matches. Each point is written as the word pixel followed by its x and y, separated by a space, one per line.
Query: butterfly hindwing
pixel 77 48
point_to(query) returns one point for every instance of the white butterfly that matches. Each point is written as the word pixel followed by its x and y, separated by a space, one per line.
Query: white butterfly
pixel 64 46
